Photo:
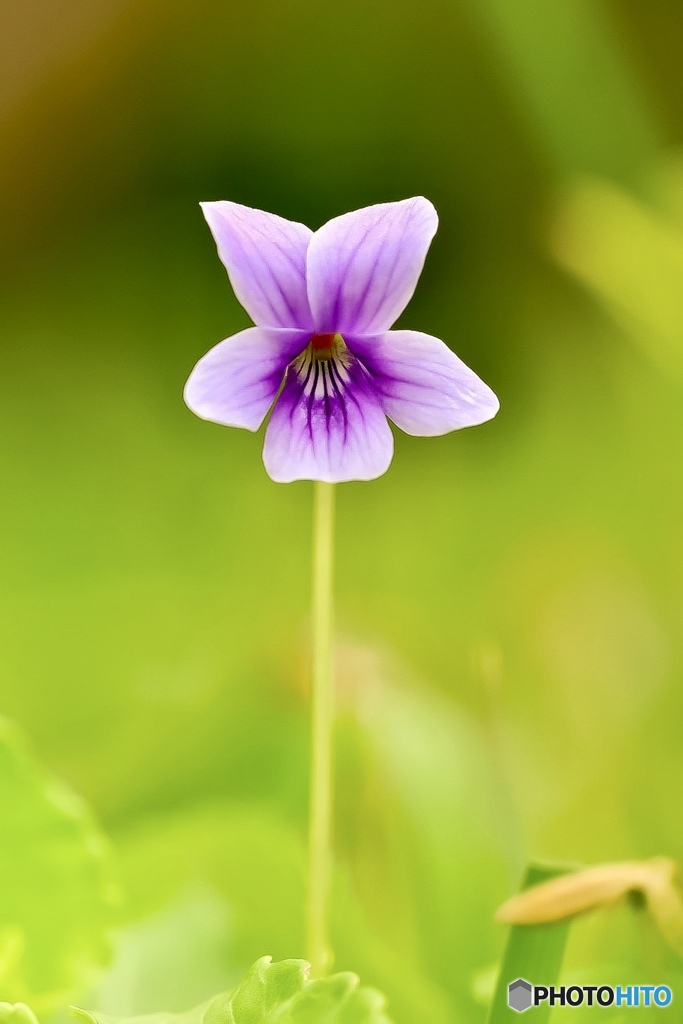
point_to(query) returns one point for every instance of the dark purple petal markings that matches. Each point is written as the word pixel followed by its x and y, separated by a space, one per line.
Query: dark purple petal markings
pixel 327 424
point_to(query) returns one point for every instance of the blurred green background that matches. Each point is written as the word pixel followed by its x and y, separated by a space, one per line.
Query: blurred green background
pixel 510 599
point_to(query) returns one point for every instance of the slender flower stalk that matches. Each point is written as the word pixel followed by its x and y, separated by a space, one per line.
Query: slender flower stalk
pixel 320 821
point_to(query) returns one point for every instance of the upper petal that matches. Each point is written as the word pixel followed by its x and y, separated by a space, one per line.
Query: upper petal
pixel 236 381
pixel 424 388
pixel 265 257
pixel 327 424
pixel 363 266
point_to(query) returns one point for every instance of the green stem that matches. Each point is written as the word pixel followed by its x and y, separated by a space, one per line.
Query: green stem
pixel 534 953
pixel 320 825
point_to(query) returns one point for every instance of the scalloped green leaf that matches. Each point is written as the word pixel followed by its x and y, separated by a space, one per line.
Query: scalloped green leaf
pixel 274 993
pixel 57 895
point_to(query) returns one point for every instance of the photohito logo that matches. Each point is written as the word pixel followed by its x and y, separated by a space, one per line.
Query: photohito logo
pixel 522 995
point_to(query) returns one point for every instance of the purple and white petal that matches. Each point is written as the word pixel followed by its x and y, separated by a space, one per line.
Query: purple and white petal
pixel 327 424
pixel 363 266
pixel 265 257
pixel 236 381
pixel 424 388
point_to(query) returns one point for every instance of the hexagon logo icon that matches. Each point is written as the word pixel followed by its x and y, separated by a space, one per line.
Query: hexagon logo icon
pixel 520 995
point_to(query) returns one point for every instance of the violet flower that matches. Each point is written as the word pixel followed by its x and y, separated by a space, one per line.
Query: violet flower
pixel 322 350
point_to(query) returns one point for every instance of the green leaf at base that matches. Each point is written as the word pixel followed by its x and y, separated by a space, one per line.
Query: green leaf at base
pixel 275 993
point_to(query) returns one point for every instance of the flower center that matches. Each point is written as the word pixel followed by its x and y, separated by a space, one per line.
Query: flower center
pixel 323 368
pixel 326 346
